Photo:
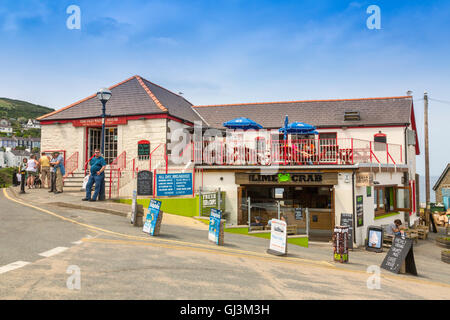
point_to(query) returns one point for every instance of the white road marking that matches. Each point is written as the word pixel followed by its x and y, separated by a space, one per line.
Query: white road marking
pixel 13 266
pixel 77 242
pixel 52 252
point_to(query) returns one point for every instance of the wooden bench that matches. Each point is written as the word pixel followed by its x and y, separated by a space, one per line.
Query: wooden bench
pixel 255 228
pixel 291 229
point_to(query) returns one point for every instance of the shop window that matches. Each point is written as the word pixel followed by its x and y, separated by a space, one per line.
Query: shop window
pixel 391 199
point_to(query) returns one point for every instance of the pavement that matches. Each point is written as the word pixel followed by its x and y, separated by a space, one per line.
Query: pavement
pixel 88 231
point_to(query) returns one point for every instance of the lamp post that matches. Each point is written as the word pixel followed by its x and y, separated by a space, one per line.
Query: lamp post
pixel 103 95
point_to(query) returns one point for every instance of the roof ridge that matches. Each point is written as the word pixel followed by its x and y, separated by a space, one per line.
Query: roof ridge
pixel 155 84
pixel 296 101
pixel 82 100
pixel 150 93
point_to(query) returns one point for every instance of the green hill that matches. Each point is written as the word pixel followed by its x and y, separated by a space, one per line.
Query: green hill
pixel 15 108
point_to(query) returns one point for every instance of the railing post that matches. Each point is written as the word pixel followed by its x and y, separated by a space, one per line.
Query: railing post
pixel 353 153
pixel 387 153
pixel 134 166
pixel 154 182
pixel 370 151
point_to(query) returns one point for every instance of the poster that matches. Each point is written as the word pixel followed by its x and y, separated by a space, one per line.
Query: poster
pixel 375 239
pixel 359 211
pixel 152 217
pixel 214 225
pixel 298 213
pixel 278 236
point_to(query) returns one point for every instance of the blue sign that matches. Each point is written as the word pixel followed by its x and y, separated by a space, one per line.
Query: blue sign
pixel 214 225
pixel 152 216
pixel 173 184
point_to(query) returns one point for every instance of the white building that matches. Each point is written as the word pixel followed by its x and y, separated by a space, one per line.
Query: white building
pixel 362 163
pixel 5 126
pixel 13 158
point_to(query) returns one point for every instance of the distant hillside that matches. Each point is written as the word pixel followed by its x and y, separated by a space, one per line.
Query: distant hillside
pixel 15 108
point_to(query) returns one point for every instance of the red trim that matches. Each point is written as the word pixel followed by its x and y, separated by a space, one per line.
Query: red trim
pixel 119 120
pixel 144 142
pixel 413 125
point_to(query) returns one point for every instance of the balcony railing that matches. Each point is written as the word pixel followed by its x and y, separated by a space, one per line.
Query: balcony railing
pixel 347 151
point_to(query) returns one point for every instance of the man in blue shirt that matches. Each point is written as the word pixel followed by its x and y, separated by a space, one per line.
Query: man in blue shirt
pixel 97 176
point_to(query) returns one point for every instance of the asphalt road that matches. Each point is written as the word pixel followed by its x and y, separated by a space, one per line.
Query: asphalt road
pixel 115 261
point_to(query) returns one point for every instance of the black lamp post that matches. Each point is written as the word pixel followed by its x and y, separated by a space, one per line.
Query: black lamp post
pixel 103 95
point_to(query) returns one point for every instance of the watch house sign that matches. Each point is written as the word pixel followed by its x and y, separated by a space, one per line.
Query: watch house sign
pixel 299 178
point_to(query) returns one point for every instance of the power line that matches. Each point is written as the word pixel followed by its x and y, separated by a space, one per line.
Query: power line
pixel 441 101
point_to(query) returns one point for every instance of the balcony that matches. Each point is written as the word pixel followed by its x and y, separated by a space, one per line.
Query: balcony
pixel 259 152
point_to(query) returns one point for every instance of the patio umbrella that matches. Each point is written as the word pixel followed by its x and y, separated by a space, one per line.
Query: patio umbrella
pixel 242 123
pixel 298 128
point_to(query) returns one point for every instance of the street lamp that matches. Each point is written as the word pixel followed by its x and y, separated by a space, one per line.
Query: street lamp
pixel 103 95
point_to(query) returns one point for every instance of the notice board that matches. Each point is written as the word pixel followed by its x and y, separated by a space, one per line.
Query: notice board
pixel 359 211
pixel 214 225
pixel 152 217
pixel 400 252
pixel 145 183
pixel 347 221
pixel 173 184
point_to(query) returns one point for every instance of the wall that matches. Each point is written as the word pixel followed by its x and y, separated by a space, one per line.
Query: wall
pixel 211 182
pixel 445 183
pixel 64 137
pixel 384 178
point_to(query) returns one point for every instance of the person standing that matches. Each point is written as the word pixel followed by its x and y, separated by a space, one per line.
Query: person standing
pixel 44 161
pixel 97 176
pixel 58 164
pixel 52 173
pixel 32 167
pixel 23 174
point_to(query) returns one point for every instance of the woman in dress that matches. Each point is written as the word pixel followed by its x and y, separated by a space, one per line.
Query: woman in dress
pixel 32 166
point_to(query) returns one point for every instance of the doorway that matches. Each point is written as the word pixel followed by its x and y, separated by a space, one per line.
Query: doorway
pixel 95 135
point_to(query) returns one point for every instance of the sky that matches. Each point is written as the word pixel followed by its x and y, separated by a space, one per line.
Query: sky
pixel 232 51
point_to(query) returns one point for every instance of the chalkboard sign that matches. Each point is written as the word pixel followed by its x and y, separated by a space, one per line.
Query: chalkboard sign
pixel 145 183
pixel 400 252
pixel 298 213
pixel 347 221
pixel 143 148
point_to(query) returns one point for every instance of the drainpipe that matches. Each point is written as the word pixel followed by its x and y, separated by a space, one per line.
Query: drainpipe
pixel 354 206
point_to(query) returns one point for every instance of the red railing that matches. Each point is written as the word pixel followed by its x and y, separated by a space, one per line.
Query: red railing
pixel 71 164
pixel 346 151
pixel 118 165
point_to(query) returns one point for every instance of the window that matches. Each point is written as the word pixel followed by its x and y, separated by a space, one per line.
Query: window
pixel 380 140
pixel 391 199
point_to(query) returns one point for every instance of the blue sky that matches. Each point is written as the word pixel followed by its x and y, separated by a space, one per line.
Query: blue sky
pixel 233 51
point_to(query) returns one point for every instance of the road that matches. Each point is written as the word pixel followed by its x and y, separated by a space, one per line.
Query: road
pixel 113 260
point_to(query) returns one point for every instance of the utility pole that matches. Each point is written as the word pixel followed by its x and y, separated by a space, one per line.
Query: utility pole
pixel 427 162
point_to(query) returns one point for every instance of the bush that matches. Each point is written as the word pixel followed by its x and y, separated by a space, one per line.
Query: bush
pixel 6 175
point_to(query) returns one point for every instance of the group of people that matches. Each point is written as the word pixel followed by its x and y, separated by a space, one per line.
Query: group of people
pixel 49 170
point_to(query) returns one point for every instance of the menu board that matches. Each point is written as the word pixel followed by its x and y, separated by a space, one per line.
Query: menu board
pixel 214 225
pixel 347 221
pixel 143 148
pixel 173 184
pixel 359 211
pixel 152 217
pixel 278 237
pixel 145 183
pixel 401 252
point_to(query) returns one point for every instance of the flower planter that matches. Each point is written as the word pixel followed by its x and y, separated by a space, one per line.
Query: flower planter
pixel 445 256
pixel 443 242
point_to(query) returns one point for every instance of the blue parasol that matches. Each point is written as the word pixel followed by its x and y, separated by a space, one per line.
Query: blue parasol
pixel 298 128
pixel 242 123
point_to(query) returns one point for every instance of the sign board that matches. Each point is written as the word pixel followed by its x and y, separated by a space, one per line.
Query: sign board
pixel 174 184
pixel 152 217
pixel 143 148
pixel 97 122
pixel 359 211
pixel 287 178
pixel 369 191
pixel 278 237
pixel 364 179
pixel 298 213
pixel 214 225
pixel 347 221
pixel 401 252
pixel 374 239
pixel 134 207
pixel 145 183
